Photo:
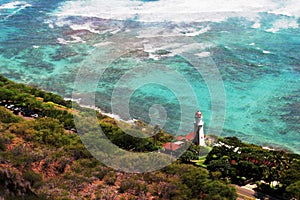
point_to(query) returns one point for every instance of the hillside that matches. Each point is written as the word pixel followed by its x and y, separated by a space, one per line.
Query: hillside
pixel 42 157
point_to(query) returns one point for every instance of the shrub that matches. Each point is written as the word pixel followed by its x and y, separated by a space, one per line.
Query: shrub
pixel 78 151
pixel 2 144
pixel 135 185
pixel 89 163
pixel 101 173
pixel 7 117
pixel 125 185
pixel 35 179
pixel 110 178
pixel 219 190
pixel 293 190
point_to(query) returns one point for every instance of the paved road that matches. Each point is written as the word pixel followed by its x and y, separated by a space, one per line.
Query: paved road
pixel 244 193
pixel 249 194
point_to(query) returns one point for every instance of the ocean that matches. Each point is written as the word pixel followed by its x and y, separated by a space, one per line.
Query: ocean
pixel 160 61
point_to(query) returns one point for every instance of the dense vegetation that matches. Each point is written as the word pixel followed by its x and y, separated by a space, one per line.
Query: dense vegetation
pixel 33 102
pixel 42 156
pixel 275 172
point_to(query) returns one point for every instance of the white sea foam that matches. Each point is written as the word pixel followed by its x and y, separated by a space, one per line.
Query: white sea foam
pixel 193 32
pixel 203 54
pixel 177 10
pixel 76 39
pixel 256 25
pixel 157 32
pixel 60 22
pixel 51 26
pixel 62 41
pixel 177 49
pixel 153 56
pixel 268 148
pixel 283 24
pixel 93 29
pixel 114 116
pixel 102 44
pixel 266 52
pixel 177 31
pixel 50 23
pixel 86 26
pixel 288 8
pixel 16 6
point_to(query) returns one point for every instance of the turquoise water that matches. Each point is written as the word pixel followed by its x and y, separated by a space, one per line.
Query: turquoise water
pixel 259 67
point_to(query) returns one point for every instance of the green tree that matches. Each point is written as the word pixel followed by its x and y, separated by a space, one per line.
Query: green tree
pixel 194 177
pixel 292 174
pixel 192 153
pixel 293 190
pixel 218 190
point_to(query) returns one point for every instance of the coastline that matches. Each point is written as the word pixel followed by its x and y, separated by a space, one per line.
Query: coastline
pixel 264 145
pixel 269 147
pixel 111 115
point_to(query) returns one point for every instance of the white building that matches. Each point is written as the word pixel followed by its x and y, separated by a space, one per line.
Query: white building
pixel 199 130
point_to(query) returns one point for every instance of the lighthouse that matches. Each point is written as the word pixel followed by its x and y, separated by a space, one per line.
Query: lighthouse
pixel 198 130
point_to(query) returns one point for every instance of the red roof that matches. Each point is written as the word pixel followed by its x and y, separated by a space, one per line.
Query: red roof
pixel 180 138
pixel 171 146
pixel 189 136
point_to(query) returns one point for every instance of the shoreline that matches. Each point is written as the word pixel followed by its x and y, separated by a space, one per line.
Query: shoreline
pixel 270 147
pixel 111 115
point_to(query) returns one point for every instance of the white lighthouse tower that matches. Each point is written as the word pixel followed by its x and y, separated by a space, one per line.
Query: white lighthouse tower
pixel 198 130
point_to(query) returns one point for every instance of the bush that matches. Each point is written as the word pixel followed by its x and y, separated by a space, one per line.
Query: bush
pixel 110 178
pixel 102 171
pixel 293 190
pixel 89 163
pixel 7 117
pixel 2 144
pixel 125 185
pixel 35 179
pixel 78 151
pixel 137 187
pixel 219 190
